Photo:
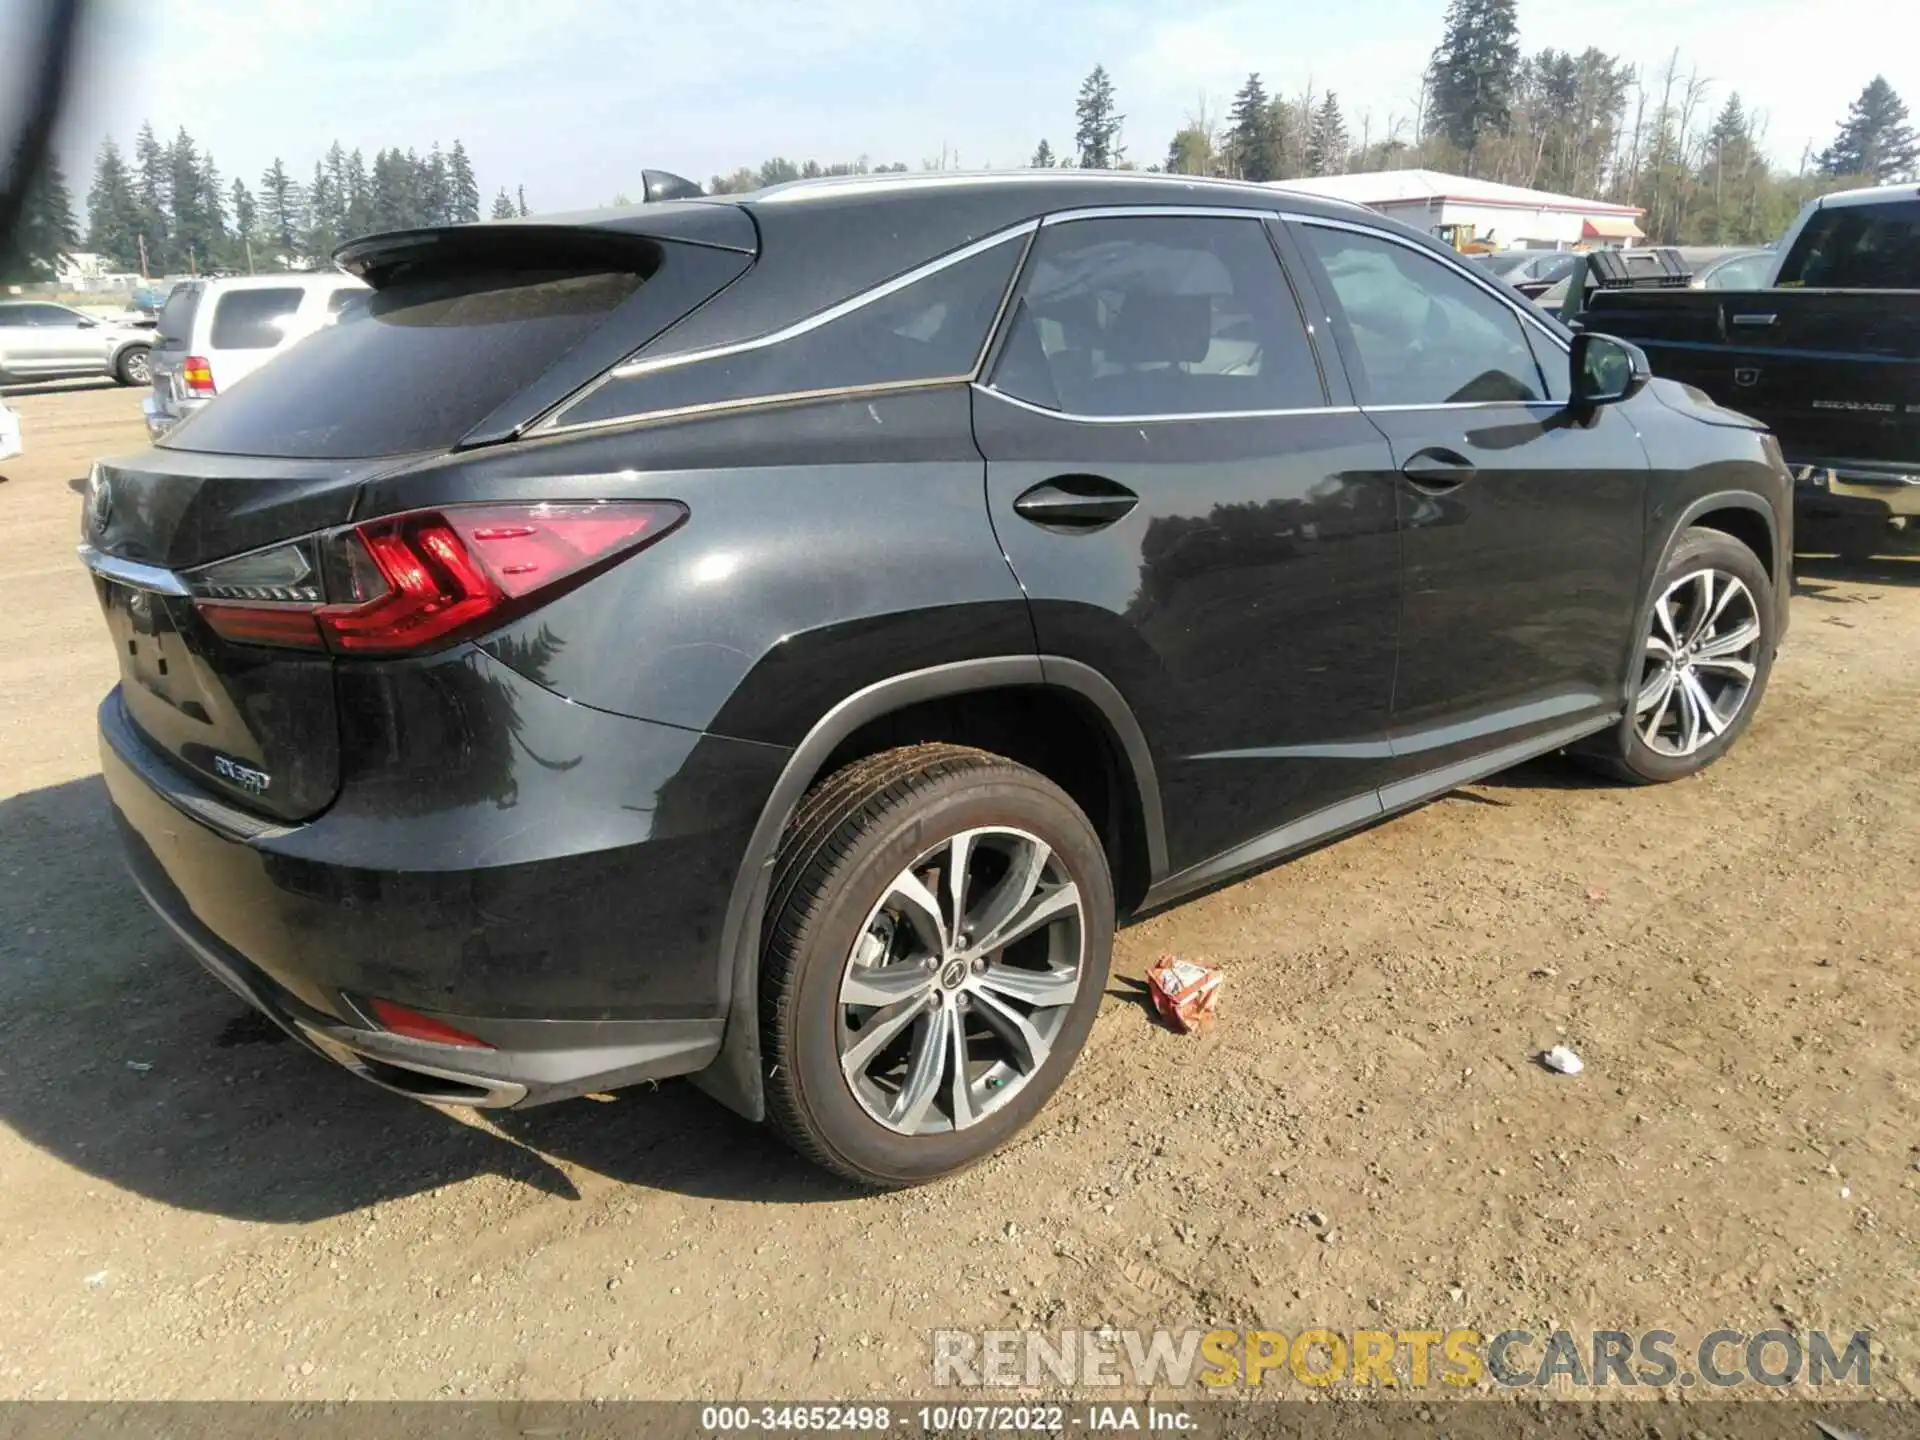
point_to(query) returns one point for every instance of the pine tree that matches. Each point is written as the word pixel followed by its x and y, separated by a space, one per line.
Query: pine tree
pixel 192 227
pixel 463 191
pixel 113 210
pixel 503 206
pixel 436 190
pixel 246 216
pixel 1098 129
pixel 323 210
pixel 1473 74
pixel 1875 139
pixel 1327 144
pixel 281 204
pixel 46 232
pixel 1042 157
pixel 150 188
pixel 1252 147
pixel 357 198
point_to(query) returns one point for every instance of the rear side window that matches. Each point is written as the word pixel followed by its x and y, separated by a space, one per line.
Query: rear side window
pixel 253 319
pixel 931 328
pixel 1423 335
pixel 418 365
pixel 1858 247
pixel 1157 315
pixel 176 316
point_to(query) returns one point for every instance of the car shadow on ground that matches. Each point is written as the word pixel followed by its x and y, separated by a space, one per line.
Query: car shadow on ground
pixel 122 1058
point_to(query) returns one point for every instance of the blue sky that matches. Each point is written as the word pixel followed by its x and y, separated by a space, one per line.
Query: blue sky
pixel 573 97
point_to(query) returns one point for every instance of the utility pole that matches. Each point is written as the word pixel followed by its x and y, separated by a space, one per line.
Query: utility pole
pixel 249 254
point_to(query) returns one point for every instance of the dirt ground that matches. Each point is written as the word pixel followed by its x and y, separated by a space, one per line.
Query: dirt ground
pixel 190 1208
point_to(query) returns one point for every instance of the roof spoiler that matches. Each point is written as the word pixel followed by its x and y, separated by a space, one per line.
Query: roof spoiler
pixel 376 259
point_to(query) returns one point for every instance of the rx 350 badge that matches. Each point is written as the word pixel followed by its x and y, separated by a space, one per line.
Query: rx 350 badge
pixel 253 781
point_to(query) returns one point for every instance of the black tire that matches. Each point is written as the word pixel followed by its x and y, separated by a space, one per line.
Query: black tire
pixel 1858 544
pixel 1633 759
pixel 123 368
pixel 852 834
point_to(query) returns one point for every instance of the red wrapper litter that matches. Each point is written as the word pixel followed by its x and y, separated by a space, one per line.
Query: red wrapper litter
pixel 1184 993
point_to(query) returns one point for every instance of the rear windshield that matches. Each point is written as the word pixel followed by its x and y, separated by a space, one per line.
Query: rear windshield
pixel 413 366
pixel 253 319
pixel 176 316
pixel 1858 247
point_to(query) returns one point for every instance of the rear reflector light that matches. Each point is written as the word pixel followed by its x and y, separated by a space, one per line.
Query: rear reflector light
pixel 399 1020
pixel 196 373
pixel 408 583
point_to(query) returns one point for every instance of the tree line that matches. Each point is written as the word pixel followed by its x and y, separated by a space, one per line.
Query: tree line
pixel 1587 124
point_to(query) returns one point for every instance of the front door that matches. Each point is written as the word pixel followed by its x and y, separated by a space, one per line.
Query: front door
pixel 1195 510
pixel 1521 527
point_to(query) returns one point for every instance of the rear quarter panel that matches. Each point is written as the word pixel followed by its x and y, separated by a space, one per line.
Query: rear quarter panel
pixel 828 546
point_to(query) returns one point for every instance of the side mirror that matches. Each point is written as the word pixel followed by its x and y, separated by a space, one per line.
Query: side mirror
pixel 658 185
pixel 87 322
pixel 1606 371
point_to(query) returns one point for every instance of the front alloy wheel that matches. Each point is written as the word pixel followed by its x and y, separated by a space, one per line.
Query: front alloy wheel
pixel 1700 663
pixel 960 981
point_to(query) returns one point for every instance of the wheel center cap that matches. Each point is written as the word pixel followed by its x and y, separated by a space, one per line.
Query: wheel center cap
pixel 954 976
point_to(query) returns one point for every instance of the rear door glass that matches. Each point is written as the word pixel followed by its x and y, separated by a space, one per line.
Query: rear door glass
pixel 253 319
pixel 414 368
pixel 1157 315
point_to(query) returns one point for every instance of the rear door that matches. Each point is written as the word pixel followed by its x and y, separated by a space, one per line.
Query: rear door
pixel 1521 528
pixel 1196 512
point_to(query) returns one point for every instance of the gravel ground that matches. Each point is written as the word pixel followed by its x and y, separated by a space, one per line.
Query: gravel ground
pixel 191 1208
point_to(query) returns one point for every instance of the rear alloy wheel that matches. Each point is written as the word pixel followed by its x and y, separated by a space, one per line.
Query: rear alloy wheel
pixel 1704 660
pixel 134 367
pixel 941 925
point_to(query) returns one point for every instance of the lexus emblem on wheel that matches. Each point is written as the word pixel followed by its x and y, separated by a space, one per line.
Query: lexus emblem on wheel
pixel 100 503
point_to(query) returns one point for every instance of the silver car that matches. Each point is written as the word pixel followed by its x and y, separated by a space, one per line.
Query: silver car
pixel 43 341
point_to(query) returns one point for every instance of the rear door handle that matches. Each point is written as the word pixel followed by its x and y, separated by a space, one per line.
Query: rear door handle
pixel 1438 470
pixel 1076 502
pixel 1756 319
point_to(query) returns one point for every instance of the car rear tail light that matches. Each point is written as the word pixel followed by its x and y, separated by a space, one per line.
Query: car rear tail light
pixel 196 374
pixel 399 1020
pixel 413 582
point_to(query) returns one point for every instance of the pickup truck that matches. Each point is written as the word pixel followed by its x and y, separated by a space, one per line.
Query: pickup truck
pixel 1828 357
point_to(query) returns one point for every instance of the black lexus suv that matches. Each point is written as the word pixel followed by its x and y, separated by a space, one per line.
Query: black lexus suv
pixel 774 638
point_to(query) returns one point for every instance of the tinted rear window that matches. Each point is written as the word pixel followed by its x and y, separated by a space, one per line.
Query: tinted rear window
pixel 415 367
pixel 253 319
pixel 1858 247
pixel 176 316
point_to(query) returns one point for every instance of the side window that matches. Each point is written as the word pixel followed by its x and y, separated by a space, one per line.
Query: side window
pixel 48 316
pixel 253 319
pixel 1157 315
pixel 932 328
pixel 1422 334
pixel 1555 364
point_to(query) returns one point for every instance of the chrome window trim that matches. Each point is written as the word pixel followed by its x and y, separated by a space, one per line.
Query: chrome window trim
pixel 629 369
pixel 155 578
pixel 1474 405
pixel 1080 419
pixel 554 423
pixel 1135 212
pixel 1374 232
pixel 754 402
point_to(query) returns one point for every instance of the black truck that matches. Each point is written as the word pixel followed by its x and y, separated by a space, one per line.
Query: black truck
pixel 1828 357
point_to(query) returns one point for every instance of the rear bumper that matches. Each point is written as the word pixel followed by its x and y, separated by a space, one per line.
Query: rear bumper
pixel 583 971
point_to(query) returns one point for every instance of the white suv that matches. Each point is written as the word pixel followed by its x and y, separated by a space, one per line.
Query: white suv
pixel 214 333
